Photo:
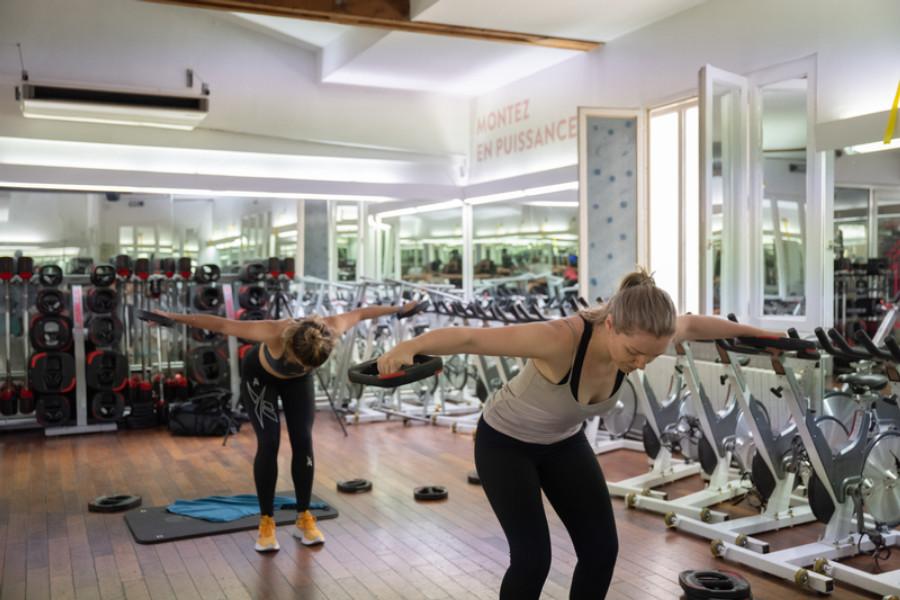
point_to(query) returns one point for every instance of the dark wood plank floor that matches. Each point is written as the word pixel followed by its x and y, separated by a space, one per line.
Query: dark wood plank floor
pixel 384 544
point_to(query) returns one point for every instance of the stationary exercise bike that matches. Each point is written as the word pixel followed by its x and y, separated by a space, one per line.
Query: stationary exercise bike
pixel 778 459
pixel 861 475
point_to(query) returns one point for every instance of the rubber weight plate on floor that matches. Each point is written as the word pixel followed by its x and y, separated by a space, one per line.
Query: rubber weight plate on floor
pixel 430 492
pixel 714 585
pixel 353 486
pixel 114 503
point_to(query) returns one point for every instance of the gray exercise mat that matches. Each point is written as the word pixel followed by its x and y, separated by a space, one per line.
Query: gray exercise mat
pixel 156 524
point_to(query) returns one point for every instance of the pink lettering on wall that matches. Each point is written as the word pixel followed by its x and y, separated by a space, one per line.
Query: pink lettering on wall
pixel 523 140
pixel 507 132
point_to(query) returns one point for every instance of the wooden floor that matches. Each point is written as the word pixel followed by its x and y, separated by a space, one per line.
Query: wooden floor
pixel 383 545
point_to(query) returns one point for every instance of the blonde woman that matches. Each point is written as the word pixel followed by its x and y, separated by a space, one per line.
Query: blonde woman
pixel 530 439
pixel 281 364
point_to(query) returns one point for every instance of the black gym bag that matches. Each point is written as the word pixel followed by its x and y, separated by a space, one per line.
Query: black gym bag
pixel 205 414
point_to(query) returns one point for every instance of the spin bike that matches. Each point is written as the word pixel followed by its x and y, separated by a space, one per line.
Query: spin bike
pixel 716 449
pixel 861 474
pixel 777 463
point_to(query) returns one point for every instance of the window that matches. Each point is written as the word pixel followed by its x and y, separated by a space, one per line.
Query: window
pixel 674 202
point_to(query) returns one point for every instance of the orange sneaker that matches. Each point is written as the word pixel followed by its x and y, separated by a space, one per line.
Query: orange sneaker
pixel 267 541
pixel 306 530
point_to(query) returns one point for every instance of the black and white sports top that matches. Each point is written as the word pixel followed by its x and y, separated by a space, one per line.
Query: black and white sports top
pixel 532 409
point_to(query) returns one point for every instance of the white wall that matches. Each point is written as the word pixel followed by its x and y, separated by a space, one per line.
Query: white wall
pixel 855 44
pixel 264 93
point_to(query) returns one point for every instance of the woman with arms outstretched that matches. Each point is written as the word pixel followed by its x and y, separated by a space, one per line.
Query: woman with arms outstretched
pixel 529 438
pixel 281 364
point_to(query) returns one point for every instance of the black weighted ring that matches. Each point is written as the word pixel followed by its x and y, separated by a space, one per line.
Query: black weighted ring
pixel 114 503
pixel 50 275
pixel 719 585
pixel 423 366
pixel 146 315
pixel 207 273
pixel 430 492
pixel 103 275
pixel 107 405
pixel 352 486
pixel 51 301
pixel 473 477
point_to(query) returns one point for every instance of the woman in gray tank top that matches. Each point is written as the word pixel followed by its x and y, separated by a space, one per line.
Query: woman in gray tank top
pixel 529 438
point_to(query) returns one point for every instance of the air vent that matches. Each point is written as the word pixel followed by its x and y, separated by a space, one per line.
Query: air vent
pixel 121 107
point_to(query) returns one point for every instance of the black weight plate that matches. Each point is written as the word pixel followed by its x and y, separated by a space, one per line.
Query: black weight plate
pixel 103 275
pixel 146 315
pixel 51 301
pixel 352 486
pixel 114 503
pixel 50 275
pixel 718 585
pixel 207 273
pixel 430 492
pixel 473 477
pixel 423 366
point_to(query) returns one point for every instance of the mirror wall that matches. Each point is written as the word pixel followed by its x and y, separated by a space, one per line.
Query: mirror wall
pixel 345 239
pixel 783 148
pixel 424 247
pixel 76 229
pixel 867 240
pixel 535 242
pixel 520 244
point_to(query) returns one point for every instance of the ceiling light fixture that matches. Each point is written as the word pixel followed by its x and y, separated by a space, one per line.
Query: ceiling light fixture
pixel 873 147
pixel 527 192
pixel 426 208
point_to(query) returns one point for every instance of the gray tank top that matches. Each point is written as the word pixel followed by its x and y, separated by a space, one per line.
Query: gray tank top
pixel 534 410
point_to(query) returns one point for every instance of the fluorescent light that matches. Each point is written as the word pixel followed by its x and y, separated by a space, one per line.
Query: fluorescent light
pixel 426 208
pixel 552 204
pixel 495 197
pixel 873 147
pixel 516 194
pixel 551 189
pixel 195 192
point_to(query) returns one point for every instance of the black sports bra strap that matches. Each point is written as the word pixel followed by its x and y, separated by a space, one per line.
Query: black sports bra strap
pixel 579 357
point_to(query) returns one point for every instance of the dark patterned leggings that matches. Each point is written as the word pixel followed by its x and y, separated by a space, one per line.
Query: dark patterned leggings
pixel 259 397
pixel 513 473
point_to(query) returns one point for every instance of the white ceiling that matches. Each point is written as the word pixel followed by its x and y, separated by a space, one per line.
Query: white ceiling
pixel 412 61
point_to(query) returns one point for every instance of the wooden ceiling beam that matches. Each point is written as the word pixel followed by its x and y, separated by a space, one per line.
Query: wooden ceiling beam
pixel 381 14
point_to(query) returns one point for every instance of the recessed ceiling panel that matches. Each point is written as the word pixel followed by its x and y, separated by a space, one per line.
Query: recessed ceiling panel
pixel 444 64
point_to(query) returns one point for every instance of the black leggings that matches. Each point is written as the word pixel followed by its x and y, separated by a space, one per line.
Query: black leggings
pixel 513 473
pixel 259 396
